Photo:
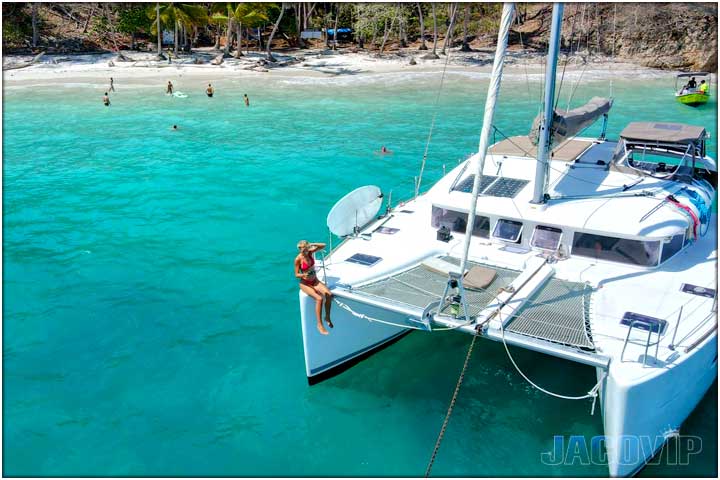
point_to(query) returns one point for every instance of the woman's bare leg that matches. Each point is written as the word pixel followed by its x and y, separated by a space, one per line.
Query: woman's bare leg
pixel 325 292
pixel 310 291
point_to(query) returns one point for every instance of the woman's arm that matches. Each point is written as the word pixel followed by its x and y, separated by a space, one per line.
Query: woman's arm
pixel 298 273
pixel 314 247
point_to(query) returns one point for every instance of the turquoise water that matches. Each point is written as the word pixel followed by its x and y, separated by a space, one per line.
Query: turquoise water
pixel 150 311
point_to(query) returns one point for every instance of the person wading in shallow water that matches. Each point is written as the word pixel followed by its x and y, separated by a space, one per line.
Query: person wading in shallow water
pixel 309 283
pixel 247 100
pixel 106 100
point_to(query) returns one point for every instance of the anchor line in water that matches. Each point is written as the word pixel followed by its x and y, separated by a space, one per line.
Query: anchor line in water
pixel 452 405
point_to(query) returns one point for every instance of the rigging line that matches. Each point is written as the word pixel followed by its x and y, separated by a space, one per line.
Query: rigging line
pixel 562 75
pixel 452 405
pixel 572 93
pixel 593 393
pixel 525 66
pixel 432 124
pixel 613 46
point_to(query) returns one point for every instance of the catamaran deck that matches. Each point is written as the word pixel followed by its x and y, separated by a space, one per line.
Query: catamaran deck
pixel 557 313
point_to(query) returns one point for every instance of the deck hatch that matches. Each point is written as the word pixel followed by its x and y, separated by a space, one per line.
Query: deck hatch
pixel 363 259
pixel 697 290
pixel 387 230
pixel 643 322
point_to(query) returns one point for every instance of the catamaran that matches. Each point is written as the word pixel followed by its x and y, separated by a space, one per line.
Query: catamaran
pixel 595 250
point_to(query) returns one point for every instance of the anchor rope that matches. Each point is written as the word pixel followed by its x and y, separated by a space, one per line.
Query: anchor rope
pixel 452 405
pixel 369 318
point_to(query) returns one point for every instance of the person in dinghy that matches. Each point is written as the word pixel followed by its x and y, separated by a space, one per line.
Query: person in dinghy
pixel 309 283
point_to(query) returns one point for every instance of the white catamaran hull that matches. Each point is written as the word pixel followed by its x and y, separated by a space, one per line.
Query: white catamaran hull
pixel 350 338
pixel 639 417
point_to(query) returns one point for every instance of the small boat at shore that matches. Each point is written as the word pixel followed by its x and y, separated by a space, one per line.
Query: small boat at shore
pixel 692 94
pixel 595 250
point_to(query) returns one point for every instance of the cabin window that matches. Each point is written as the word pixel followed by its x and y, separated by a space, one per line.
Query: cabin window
pixel 457 221
pixel 623 250
pixel 672 246
pixel 546 238
pixel 508 230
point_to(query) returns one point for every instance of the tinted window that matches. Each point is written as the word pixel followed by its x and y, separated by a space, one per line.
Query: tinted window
pixel 546 238
pixel 457 221
pixel 635 252
pixel 672 247
pixel 508 230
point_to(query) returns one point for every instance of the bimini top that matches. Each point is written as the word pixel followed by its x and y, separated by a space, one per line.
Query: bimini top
pixel 693 74
pixel 663 132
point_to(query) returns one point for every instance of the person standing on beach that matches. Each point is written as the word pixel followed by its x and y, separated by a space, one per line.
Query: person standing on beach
pixel 210 90
pixel 106 99
pixel 247 100
pixel 169 90
pixel 112 86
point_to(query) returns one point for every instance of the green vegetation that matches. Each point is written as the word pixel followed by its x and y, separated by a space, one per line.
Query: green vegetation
pixel 673 35
pixel 230 26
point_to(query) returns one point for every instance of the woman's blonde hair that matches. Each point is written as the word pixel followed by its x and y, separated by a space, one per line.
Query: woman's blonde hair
pixel 302 244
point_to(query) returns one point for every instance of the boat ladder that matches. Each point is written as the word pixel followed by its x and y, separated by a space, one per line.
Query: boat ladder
pixel 651 327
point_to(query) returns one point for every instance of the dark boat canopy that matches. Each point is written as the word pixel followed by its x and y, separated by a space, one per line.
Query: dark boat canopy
pixel 663 132
pixel 693 74
pixel 568 123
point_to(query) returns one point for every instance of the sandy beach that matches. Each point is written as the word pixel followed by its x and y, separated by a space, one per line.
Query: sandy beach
pixel 143 68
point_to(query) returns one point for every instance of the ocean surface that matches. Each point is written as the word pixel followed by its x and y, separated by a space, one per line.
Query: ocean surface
pixel 150 317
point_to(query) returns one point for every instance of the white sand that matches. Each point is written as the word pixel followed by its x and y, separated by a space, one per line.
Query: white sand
pixel 318 65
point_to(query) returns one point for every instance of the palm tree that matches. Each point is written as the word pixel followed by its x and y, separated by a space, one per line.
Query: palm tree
pixel 157 26
pixel 465 45
pixel 185 15
pixel 422 28
pixel 34 25
pixel 448 34
pixel 225 12
pixel 433 54
pixel 272 34
pixel 250 14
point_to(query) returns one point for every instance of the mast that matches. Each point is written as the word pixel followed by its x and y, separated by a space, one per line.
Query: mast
pixel 541 168
pixel 493 91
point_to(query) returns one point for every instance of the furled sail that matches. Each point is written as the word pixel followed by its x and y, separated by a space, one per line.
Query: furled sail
pixel 568 123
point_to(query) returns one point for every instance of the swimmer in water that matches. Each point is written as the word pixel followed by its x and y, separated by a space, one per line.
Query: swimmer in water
pixel 174 128
pixel 247 100
pixel 383 149
pixel 106 100
pixel 210 90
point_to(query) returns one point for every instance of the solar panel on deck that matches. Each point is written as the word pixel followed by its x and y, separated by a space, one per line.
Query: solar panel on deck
pixel 467 184
pixel 362 259
pixel 506 187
